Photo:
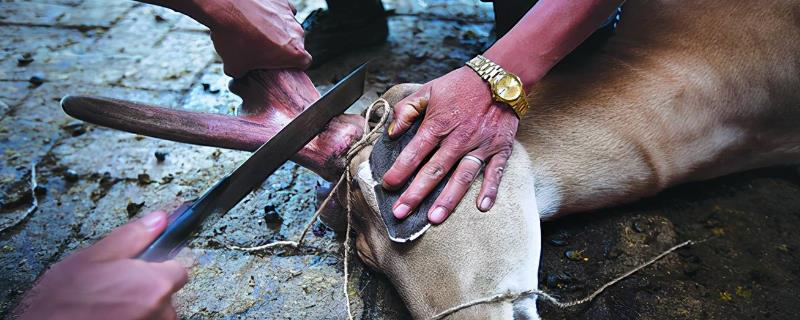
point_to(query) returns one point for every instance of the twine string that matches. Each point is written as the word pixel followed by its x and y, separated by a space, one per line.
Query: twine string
pixel 366 139
pixel 510 296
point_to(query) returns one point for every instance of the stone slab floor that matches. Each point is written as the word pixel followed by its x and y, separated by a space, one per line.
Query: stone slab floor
pixel 93 179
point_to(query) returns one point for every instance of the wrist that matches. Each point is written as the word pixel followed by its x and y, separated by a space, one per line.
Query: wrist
pixel 475 83
pixel 501 86
pixel 529 72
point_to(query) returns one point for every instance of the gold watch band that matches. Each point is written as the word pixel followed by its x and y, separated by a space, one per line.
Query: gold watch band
pixel 491 72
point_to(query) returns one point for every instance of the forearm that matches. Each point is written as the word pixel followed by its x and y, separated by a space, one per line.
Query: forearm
pixel 198 10
pixel 547 33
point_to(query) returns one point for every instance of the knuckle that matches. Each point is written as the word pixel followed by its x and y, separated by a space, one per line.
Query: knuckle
pixel 505 152
pixel 429 137
pixel 498 174
pixel 392 181
pixel 411 198
pixel 434 171
pixel 502 151
pixel 435 128
pixel 415 198
pixel 464 177
pixel 504 136
pixel 489 189
pixel 449 200
pixel 406 161
pixel 461 139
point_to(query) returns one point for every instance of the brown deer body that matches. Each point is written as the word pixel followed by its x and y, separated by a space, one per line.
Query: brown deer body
pixel 683 92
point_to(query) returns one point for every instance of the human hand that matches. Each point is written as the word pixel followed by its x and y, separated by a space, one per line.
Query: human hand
pixel 255 34
pixel 105 282
pixel 460 119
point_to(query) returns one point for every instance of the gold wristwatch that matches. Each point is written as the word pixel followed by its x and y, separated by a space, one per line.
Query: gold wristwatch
pixel 506 87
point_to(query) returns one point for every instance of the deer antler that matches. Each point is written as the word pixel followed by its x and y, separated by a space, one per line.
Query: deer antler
pixel 271 98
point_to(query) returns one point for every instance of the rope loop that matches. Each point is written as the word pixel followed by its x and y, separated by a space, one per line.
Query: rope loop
pixel 369 135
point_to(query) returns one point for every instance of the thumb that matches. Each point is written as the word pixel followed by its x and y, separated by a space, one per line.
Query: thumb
pixel 407 110
pixel 130 239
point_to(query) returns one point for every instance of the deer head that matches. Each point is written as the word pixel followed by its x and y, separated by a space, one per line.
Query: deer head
pixel 473 255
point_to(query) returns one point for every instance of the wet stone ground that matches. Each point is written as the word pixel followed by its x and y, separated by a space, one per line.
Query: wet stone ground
pixel 93 179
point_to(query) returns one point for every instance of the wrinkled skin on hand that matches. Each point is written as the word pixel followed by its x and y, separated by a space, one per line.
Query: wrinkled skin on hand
pixel 105 282
pixel 460 119
pixel 256 34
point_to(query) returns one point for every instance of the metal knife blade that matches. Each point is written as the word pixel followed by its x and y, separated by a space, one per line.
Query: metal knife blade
pixel 229 191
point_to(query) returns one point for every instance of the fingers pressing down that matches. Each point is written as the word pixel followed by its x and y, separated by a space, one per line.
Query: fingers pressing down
pixel 462 178
pixel 491 180
pixel 463 128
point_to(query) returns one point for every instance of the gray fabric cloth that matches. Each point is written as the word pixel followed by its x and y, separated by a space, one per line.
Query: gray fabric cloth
pixel 381 159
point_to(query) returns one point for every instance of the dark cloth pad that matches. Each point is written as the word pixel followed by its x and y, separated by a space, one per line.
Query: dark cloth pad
pixel 381 159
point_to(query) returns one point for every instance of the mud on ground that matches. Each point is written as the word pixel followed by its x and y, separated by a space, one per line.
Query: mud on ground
pixel 93 179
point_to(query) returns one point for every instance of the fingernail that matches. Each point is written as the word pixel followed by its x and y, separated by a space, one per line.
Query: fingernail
pixel 438 215
pixel 152 220
pixel 486 203
pixel 391 128
pixel 401 211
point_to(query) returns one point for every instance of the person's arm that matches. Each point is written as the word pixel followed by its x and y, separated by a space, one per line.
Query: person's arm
pixel 547 33
pixel 248 34
pixel 104 281
pixel 196 9
pixel 462 119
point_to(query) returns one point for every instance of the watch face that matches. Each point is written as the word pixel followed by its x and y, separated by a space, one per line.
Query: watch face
pixel 508 87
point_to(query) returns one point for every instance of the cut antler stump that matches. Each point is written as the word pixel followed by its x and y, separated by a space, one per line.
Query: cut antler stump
pixel 271 99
